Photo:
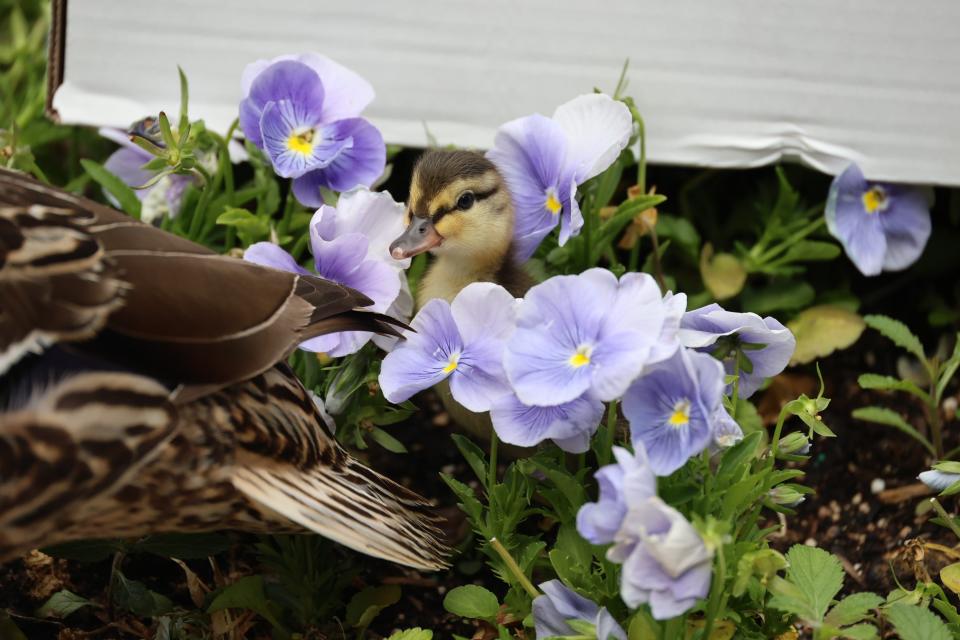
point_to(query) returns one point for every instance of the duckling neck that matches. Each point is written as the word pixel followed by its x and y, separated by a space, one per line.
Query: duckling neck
pixel 450 272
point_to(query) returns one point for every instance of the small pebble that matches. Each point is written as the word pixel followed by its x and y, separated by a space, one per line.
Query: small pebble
pixel 864 507
pixel 877 485
pixel 870 358
pixel 882 523
pixel 857 498
pixel 810 542
pixel 448 469
pixel 441 419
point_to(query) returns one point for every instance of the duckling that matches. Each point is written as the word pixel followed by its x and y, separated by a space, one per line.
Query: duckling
pixel 460 211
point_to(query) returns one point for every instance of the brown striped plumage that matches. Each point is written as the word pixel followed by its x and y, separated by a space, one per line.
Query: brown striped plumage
pixel 143 391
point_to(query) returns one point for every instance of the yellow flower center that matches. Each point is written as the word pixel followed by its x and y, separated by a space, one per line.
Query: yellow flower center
pixel 552 204
pixel 301 142
pixel 452 364
pixel 681 414
pixel 874 199
pixel 580 357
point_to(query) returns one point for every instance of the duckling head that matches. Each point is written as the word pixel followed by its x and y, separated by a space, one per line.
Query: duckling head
pixel 459 209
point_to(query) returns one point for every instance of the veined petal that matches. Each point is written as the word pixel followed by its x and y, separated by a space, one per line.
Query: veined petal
pixel 425 357
pixel 597 128
pixel 572 423
pixel 571 219
pixel 529 153
pixel 294 145
pixel 484 311
pixel 126 164
pixel 359 164
pixel 860 232
pixel 376 215
pixel 347 92
pixel 336 259
pixel 265 81
pixel 401 309
pixel 377 280
pixel 906 224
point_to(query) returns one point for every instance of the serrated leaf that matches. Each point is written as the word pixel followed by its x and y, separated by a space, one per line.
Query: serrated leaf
pixel 62 604
pixel 897 332
pixel 722 273
pixel 126 197
pixel 471 601
pixel 882 415
pixel 814 577
pixel 948 369
pixel 917 623
pixel 468 500
pixel 473 455
pixel 853 608
pixel 412 634
pixel 889 383
pixel 823 329
pixel 862 631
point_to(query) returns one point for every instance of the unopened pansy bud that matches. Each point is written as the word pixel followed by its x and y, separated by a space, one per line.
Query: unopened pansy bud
pixel 786 496
pixel 795 443
pixel 642 223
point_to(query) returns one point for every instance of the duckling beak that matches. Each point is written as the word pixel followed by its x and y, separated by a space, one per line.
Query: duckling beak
pixel 419 236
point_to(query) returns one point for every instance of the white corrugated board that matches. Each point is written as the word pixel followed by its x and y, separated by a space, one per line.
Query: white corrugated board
pixel 731 83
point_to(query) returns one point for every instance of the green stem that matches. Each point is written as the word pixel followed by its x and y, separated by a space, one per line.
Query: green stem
pixel 946 516
pixel 673 629
pixel 716 591
pixel 774 446
pixel 783 245
pixel 609 435
pixel 514 567
pixel 642 162
pixel 492 474
pixel 634 262
pixel 735 395
pixel 657 267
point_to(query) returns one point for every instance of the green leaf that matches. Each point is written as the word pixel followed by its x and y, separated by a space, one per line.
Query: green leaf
pixel 387 441
pixel 810 251
pixel 793 294
pixel 814 577
pixel 184 546
pixel 8 628
pixel 412 634
pixel 823 329
pixel 853 608
pixel 897 332
pixel 762 564
pixel 62 604
pixel 245 593
pixel 950 577
pixel 135 597
pixel 860 632
pixel 917 623
pixel 882 415
pixel 125 196
pixel 722 274
pixel 365 605
pixel 889 383
pixel 468 500
pixel 643 627
pixel 471 601
pixel 948 369
pixel 473 455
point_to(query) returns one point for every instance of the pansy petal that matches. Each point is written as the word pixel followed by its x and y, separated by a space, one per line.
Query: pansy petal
pixel 529 153
pixel 906 224
pixel 860 233
pixel 571 219
pixel 360 163
pixel 376 280
pixel 526 425
pixel 401 309
pixel 376 215
pixel 289 81
pixel 126 164
pixel 347 93
pixel 336 259
pixel 484 310
pixel 270 255
pixel 283 125
pixel 423 359
pixel 616 361
pixel 598 128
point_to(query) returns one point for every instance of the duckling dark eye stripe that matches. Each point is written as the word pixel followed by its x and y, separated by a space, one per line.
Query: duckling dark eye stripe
pixel 477 196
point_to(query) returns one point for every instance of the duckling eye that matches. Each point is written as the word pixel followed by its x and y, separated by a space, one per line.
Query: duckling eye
pixel 466 200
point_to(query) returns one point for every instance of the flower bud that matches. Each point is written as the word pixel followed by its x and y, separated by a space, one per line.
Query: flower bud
pixel 795 443
pixel 786 496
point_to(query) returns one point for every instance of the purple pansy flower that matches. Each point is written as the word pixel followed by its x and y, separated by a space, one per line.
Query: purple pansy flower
pixel 570 425
pixel 588 332
pixel 345 253
pixel 559 605
pixel 665 562
pixel 630 480
pixel 462 341
pixel 703 328
pixel 158 200
pixel 882 227
pixel 543 160
pixel 303 111
pixel 671 408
